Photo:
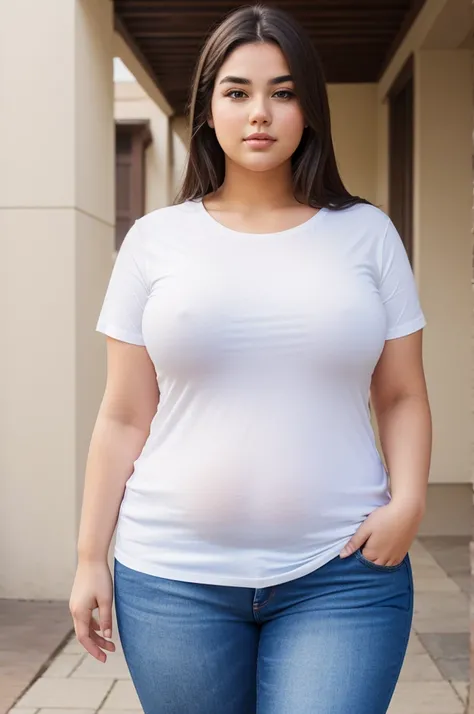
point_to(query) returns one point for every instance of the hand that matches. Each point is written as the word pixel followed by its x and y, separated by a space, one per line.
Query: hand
pixel 93 588
pixel 386 534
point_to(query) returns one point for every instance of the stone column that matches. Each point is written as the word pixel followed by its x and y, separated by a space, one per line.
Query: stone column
pixel 442 257
pixel 56 240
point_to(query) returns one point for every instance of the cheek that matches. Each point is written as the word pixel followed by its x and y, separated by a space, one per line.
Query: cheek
pixel 227 118
pixel 290 127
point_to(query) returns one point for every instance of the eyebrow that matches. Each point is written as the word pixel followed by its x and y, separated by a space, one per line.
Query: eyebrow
pixel 241 80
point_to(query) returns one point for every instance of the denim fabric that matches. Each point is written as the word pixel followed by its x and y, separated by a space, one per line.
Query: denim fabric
pixel 330 642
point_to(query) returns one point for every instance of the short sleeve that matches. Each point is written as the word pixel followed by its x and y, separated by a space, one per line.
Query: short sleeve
pixel 127 292
pixel 398 289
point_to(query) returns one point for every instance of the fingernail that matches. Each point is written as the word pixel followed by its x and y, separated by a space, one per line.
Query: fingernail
pixel 108 633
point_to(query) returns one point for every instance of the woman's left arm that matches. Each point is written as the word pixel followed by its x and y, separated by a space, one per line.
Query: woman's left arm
pixel 400 400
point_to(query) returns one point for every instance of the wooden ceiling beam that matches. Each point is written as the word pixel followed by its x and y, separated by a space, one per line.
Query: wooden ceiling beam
pixel 196 39
pixel 354 37
pixel 317 6
pixel 380 15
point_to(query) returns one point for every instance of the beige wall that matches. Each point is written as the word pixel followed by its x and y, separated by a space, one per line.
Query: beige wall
pixel 443 249
pixel 131 102
pixel 354 140
pixel 56 238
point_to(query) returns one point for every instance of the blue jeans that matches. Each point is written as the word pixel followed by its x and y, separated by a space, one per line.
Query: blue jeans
pixel 331 642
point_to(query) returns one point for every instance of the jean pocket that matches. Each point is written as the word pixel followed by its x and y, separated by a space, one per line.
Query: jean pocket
pixel 375 566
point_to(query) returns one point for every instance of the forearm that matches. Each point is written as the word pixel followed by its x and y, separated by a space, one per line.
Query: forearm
pixel 113 449
pixel 405 432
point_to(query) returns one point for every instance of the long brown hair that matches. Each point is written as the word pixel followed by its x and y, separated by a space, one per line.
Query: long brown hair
pixel 316 179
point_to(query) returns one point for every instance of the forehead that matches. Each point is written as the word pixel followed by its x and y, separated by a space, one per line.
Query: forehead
pixel 257 62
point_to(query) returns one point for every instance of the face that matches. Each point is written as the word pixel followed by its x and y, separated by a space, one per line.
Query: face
pixel 254 94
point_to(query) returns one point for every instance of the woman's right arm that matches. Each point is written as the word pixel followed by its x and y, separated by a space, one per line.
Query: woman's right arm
pixel 129 404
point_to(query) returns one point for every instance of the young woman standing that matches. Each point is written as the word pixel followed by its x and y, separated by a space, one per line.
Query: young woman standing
pixel 261 558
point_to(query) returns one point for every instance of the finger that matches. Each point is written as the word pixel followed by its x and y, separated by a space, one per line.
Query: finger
pixel 101 642
pixel 383 561
pixel 81 626
pixel 394 561
pixel 105 617
pixel 94 624
pixel 357 541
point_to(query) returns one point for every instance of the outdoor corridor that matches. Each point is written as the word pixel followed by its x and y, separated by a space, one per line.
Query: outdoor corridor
pixel 433 681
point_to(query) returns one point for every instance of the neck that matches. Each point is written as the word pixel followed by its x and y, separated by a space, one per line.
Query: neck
pixel 256 189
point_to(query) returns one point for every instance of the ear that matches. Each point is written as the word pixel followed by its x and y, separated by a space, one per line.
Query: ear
pixel 210 122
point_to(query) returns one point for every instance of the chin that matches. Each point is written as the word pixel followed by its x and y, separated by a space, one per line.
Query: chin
pixel 262 163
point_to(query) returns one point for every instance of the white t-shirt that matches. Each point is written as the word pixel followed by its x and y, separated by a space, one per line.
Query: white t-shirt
pixel 261 461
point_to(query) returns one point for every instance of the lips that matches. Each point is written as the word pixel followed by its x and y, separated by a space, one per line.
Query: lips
pixel 259 137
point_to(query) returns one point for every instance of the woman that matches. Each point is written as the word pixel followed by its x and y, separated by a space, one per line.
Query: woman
pixel 261 561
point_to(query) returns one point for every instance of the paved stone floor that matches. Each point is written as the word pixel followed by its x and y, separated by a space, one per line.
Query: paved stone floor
pixel 433 681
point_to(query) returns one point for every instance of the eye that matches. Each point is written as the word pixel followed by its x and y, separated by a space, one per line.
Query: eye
pixel 234 91
pixel 289 94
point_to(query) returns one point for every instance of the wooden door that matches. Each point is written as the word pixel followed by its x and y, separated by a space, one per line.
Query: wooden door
pixel 401 130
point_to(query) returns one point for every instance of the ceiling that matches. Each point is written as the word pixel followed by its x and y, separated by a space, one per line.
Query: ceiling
pixel 355 38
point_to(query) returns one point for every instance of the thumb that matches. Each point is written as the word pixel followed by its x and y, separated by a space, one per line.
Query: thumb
pixel 357 541
pixel 105 618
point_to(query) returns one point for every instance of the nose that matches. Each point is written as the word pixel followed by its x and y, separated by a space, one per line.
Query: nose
pixel 259 113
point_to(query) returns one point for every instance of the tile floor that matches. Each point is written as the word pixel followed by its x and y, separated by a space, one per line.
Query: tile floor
pixel 434 678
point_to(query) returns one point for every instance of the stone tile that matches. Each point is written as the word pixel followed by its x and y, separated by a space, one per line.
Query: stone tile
pixel 415 646
pixel 417 548
pixel 433 585
pixel 63 666
pixel 454 669
pixel 428 569
pixel 439 544
pixel 441 612
pixel 454 645
pixel 425 698
pixel 445 624
pixel 463 582
pixel 73 647
pixel 30 634
pixel 115 667
pixel 10 690
pixel 461 689
pixel 451 552
pixel 64 693
pixel 66 711
pixel 420 668
pixel 122 696
pixel 420 556
pixel 16 710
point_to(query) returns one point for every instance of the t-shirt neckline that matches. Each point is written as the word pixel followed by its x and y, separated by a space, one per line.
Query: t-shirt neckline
pixel 300 228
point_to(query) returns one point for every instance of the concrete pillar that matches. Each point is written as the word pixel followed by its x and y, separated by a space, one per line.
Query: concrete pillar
pixel 442 216
pixel 56 241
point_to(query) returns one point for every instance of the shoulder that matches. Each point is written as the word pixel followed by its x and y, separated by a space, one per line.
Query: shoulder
pixel 362 215
pixel 366 228
pixel 165 219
